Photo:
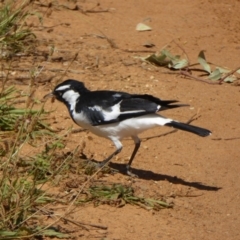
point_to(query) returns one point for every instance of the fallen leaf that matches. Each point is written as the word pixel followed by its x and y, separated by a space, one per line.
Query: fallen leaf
pixel 143 27
pixel 215 75
pixel 203 62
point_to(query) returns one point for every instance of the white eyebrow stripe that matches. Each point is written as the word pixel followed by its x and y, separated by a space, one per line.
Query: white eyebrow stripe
pixel 62 87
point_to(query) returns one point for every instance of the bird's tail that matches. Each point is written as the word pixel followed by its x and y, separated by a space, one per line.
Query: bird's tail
pixel 189 128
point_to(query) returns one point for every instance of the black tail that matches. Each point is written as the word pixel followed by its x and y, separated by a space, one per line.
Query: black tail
pixel 189 128
pixel 165 105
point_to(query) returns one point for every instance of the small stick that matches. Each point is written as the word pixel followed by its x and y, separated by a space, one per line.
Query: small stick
pixel 81 223
pixel 96 11
pixel 110 41
pixel 225 139
pixel 183 52
pixel 185 73
pixel 227 75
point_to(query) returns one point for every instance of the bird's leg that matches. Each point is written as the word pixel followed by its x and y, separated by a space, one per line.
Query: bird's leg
pixel 105 161
pixel 118 145
pixel 137 145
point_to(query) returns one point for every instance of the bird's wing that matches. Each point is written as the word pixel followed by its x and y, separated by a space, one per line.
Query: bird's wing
pixel 104 107
pixel 164 104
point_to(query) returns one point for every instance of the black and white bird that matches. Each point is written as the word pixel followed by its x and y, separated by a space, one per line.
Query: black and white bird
pixel 117 115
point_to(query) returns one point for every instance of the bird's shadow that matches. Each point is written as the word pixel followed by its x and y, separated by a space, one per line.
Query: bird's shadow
pixel 149 175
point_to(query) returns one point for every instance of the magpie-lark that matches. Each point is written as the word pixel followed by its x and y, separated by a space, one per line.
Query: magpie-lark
pixel 116 115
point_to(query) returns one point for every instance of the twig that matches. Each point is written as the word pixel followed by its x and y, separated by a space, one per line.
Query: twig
pixel 70 206
pixel 66 70
pixel 110 41
pixel 142 51
pixel 96 11
pixel 188 59
pixel 87 224
pixel 78 130
pixel 227 75
pixel 187 195
pixel 42 4
pixel 225 139
pixel 194 117
pixel 77 223
pixel 187 74
pixel 46 69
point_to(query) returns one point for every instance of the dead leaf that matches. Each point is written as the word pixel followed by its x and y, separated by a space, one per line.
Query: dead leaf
pixel 141 27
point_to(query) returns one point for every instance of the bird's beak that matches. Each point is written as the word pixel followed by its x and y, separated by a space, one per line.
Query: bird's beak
pixel 49 95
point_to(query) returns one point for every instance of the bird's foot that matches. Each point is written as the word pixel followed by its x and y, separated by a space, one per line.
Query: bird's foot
pixel 129 172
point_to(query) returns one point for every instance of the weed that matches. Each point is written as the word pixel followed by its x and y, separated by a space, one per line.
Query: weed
pixel 25 178
pixel 119 195
pixel 15 35
pixel 182 65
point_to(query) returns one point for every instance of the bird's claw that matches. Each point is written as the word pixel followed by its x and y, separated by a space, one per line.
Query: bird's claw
pixel 129 172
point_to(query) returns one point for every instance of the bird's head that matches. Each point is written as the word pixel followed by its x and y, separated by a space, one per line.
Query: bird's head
pixel 68 91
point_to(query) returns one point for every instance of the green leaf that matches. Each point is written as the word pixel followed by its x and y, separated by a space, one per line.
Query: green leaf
pixel 168 54
pixel 51 232
pixel 230 79
pixel 7 233
pixel 215 75
pixel 159 60
pixel 179 64
pixel 175 61
pixel 223 70
pixel 114 196
pixel 203 62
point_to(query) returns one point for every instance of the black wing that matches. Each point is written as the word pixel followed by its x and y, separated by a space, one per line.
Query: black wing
pixel 104 107
pixel 165 104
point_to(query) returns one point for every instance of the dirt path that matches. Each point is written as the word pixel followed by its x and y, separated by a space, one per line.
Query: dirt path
pixel 201 175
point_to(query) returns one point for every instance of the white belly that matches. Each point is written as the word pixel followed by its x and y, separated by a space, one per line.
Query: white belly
pixel 129 127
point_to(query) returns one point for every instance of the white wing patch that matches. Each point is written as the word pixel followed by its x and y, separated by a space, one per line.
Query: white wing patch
pixel 115 112
pixel 95 108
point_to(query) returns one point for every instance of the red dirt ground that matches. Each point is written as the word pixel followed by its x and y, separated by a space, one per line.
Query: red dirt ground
pixel 201 174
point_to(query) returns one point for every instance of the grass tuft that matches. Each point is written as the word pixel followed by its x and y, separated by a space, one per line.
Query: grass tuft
pixel 119 195
pixel 15 34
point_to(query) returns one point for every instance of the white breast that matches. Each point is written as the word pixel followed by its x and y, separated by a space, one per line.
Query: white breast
pixel 71 97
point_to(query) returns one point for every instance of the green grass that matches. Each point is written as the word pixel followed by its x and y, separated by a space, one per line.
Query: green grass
pixel 119 195
pixel 15 35
pixel 23 176
pixel 27 177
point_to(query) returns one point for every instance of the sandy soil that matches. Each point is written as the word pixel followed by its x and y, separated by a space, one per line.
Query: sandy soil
pixel 201 174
